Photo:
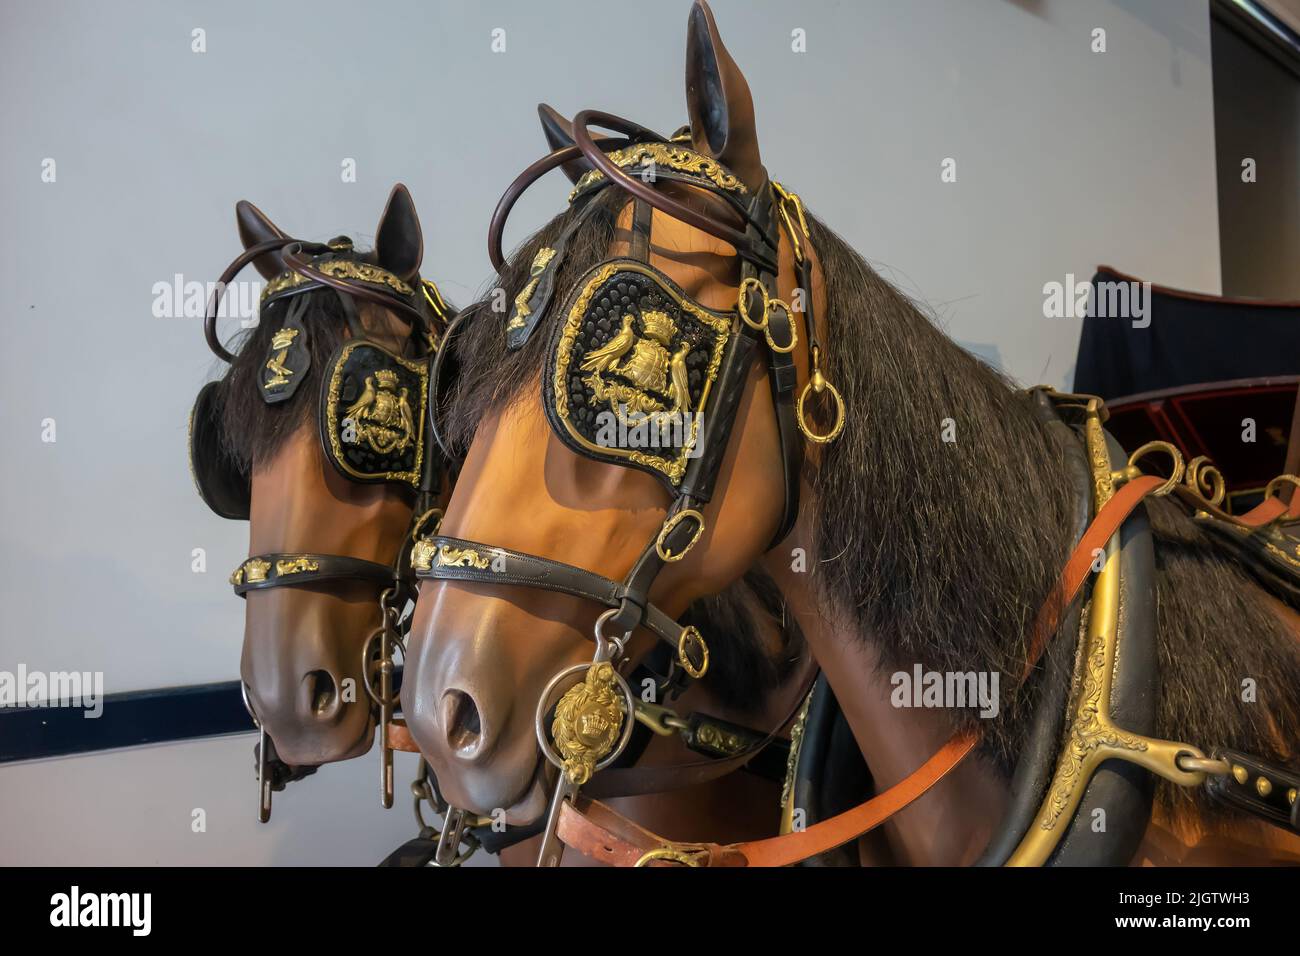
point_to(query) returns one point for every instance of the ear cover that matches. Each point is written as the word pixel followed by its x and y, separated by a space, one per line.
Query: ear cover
pixel 399 243
pixel 254 227
pixel 631 368
pixel 718 102
pixel 222 485
pixel 372 413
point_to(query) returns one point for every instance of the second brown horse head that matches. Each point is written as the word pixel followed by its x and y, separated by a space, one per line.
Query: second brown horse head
pixel 319 425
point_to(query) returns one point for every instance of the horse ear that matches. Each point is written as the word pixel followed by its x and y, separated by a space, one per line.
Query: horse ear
pixel 718 101
pixel 255 227
pixel 399 243
pixel 559 134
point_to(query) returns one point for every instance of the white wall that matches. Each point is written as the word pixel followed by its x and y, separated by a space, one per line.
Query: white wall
pixel 1065 158
pixel 136 808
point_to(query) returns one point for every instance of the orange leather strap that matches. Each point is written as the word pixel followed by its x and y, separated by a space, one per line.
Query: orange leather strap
pixel 1079 566
pixel 399 738
pixel 603 834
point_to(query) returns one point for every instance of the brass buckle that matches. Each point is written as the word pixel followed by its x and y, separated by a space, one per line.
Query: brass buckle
pixel 672 522
pixel 683 855
pixel 761 324
pixel 691 636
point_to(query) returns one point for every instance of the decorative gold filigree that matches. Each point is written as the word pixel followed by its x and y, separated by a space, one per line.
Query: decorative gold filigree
pixel 648 368
pixel 341 269
pixel 364 272
pixel 588 721
pixel 673 469
pixel 281 341
pixel 673 157
pixel 382 415
pixel 332 400
pixel 449 557
pixel 285 280
pixel 792 764
pixel 301 565
pixel 1090 731
pixel 522 309
pixel 719 739
pixel 252 571
pixel 422 553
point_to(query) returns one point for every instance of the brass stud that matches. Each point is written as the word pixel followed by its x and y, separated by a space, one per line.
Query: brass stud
pixel 1239 773
pixel 1263 786
pixel 1290 796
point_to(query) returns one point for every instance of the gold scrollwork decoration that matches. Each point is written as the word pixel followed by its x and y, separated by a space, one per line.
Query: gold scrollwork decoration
pixel 1205 480
pixel 678 158
pixel 301 565
pixel 449 557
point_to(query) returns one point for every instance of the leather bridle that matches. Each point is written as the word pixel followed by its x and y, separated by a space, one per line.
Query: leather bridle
pixel 764 324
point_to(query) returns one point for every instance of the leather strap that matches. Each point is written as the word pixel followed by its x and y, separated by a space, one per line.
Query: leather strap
pixel 302 569
pixel 601 833
pixel 1078 568
pixel 531 570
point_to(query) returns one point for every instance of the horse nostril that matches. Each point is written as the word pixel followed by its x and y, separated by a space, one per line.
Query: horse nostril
pixel 321 692
pixel 461 719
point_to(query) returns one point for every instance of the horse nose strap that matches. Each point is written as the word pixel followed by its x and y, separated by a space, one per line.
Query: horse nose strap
pixel 441 558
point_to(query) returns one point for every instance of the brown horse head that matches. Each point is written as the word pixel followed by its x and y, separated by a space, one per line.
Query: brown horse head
pixel 481 653
pixel 326 524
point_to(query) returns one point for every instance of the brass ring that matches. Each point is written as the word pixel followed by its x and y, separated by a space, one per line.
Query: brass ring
pixel 1192 764
pixel 628 704
pixel 742 303
pixel 1174 454
pixel 767 329
pixel 672 522
pixel 1206 480
pixel 838 427
pixel 684 659
pixel 682 856
pixel 1270 490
